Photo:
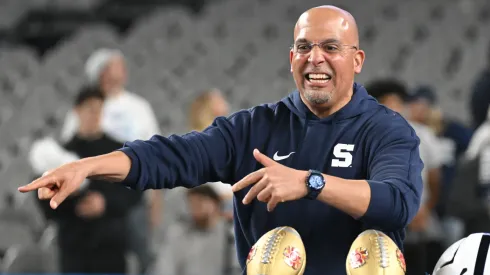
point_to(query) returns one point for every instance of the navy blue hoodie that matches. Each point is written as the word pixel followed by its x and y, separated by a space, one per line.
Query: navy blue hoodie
pixel 363 140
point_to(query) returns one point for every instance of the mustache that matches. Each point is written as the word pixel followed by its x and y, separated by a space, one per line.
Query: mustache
pixel 319 70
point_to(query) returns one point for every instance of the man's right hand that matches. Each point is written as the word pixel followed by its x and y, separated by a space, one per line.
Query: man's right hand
pixel 56 185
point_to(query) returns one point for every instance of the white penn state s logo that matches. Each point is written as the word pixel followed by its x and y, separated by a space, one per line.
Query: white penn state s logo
pixel 343 155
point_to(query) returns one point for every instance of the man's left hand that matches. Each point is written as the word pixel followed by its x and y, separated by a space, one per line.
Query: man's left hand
pixel 274 183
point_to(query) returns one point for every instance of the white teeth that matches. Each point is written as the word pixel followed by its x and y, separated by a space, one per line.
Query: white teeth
pixel 319 80
pixel 318 76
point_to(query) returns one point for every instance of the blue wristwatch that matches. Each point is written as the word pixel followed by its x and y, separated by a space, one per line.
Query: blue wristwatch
pixel 315 183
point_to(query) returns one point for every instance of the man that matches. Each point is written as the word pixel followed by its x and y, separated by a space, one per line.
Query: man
pixel 422 245
pixel 126 116
pixel 92 222
pixel 368 155
pixel 200 245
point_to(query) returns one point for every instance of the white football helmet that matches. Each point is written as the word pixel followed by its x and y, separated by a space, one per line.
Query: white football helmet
pixel 468 256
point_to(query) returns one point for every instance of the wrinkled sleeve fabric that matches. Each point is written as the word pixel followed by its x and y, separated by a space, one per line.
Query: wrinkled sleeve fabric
pixel 188 160
pixel 395 177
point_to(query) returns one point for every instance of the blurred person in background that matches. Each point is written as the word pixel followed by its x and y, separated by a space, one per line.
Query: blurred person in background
pixel 424 234
pixel 454 139
pixel 203 111
pixel 469 198
pixel 126 117
pixel 480 97
pixel 201 244
pixel 92 225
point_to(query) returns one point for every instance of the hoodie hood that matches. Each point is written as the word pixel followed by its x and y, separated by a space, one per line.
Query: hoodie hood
pixel 360 102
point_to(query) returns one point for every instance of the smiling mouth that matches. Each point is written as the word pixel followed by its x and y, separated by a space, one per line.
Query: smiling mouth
pixel 318 78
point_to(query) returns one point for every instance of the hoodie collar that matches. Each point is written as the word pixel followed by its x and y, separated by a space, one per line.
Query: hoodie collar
pixel 351 109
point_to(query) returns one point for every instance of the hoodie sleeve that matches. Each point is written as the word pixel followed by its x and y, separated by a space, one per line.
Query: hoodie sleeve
pixel 189 160
pixel 395 176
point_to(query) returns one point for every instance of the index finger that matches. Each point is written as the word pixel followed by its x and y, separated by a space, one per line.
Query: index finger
pixel 248 180
pixel 44 181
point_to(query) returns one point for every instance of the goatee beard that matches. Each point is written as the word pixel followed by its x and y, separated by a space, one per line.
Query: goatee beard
pixel 317 97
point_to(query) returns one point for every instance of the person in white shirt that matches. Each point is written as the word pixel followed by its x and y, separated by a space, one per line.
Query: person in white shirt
pixel 480 139
pixel 126 117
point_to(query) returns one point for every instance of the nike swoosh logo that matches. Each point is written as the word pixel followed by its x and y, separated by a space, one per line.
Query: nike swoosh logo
pixel 278 158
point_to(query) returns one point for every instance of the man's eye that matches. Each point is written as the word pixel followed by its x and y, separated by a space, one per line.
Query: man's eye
pixel 302 47
pixel 331 47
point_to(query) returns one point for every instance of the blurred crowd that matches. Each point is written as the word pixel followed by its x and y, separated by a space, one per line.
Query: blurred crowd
pixel 455 197
pixel 99 225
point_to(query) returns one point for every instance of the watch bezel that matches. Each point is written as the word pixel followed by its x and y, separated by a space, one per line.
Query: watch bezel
pixel 313 192
pixel 312 177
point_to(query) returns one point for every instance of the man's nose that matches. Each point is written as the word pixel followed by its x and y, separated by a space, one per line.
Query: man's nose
pixel 317 56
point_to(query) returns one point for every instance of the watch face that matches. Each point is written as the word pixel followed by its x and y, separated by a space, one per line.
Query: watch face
pixel 316 181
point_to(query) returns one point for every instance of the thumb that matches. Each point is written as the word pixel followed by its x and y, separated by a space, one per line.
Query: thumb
pixel 263 159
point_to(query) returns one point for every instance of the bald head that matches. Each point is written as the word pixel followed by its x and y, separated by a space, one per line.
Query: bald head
pixel 337 21
pixel 325 58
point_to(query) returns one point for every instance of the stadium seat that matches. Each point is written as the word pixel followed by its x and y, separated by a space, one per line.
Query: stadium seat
pixel 4 161
pixel 21 61
pixel 27 259
pixel 14 233
pixel 31 219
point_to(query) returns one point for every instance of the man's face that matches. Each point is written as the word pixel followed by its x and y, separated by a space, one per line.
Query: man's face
pixel 219 105
pixel 113 77
pixel 394 102
pixel 324 72
pixel 201 208
pixel 420 110
pixel 89 114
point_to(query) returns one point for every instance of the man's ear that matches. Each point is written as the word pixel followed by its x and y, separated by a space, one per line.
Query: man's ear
pixel 291 55
pixel 359 61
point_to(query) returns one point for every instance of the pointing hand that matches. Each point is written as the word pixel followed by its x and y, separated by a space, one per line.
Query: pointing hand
pixel 59 183
pixel 274 183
